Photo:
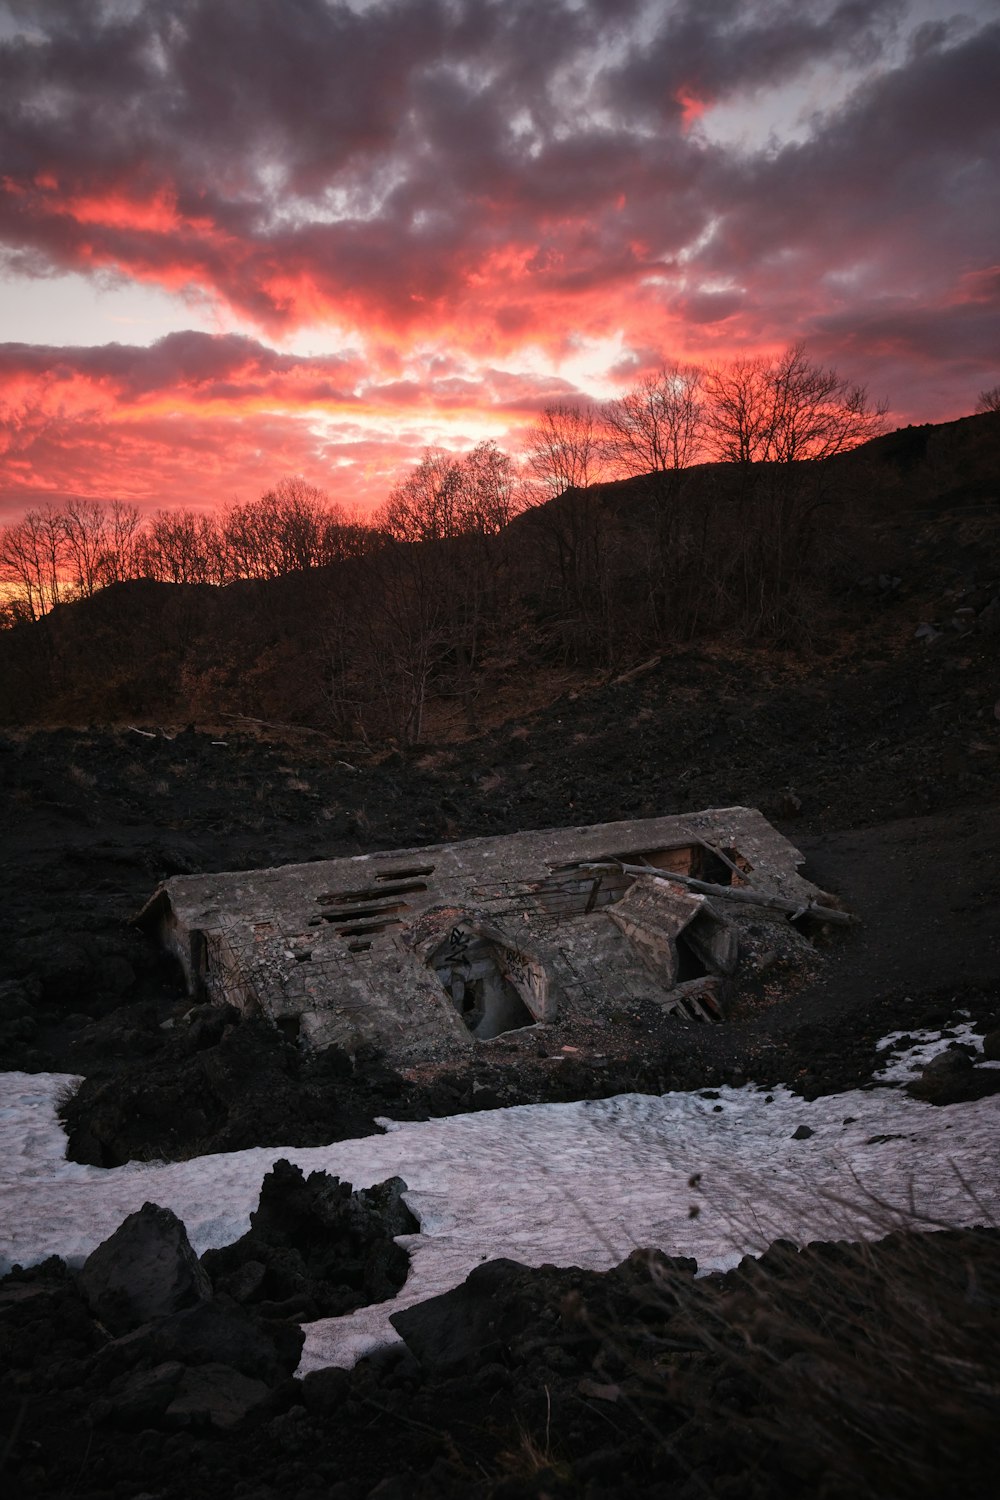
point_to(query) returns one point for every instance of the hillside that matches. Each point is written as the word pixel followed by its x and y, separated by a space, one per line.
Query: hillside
pixel 410 643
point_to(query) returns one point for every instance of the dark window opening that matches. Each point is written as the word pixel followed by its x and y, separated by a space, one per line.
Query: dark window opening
pixel 368 929
pixel 695 860
pixel 371 893
pixel 689 965
pixel 359 913
pixel 288 1027
pixel 350 923
pixel 743 870
pixel 812 928
pixel 200 958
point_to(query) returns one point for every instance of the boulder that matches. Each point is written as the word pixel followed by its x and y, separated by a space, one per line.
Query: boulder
pixel 171 1395
pixel 456 1332
pixel 952 1078
pixel 142 1398
pixel 146 1269
pixel 210 1333
pixel 62 964
pixel 315 1248
pixel 214 1396
pixel 115 975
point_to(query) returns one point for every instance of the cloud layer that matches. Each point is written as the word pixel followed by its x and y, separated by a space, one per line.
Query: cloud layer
pixel 445 187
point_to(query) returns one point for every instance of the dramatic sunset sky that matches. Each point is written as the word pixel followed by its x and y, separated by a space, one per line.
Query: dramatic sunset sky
pixel 242 239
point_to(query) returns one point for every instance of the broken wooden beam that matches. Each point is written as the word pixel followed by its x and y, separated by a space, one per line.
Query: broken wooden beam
pixel 743 893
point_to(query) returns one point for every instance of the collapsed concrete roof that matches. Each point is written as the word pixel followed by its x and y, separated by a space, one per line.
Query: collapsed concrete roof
pixel 428 952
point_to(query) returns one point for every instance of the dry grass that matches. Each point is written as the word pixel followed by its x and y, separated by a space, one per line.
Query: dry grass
pixel 868 1371
pixel 504 696
pixel 81 778
pixel 532 1457
pixel 436 760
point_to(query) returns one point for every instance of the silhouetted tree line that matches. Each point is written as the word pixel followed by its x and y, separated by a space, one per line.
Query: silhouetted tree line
pixel 690 505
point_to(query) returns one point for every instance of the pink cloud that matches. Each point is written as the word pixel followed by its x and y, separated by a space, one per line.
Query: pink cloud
pixel 195 419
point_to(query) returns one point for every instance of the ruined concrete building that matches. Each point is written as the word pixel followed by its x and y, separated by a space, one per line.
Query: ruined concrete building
pixel 427 953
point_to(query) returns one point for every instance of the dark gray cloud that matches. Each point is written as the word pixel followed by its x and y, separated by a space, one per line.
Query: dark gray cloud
pixel 204 365
pixel 895 197
pixel 724 46
pixel 490 172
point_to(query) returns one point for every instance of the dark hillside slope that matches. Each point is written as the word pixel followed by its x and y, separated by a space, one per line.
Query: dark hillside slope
pixel 426 641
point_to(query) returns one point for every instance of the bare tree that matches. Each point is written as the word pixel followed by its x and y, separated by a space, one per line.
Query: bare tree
pixel 775 418
pixel 491 490
pixel 398 637
pixel 100 542
pixel 564 449
pixel 32 558
pixel 565 457
pixel 177 547
pixel 300 516
pixel 656 427
pixel 122 532
pixel 426 505
pixel 444 496
pixel 84 529
pixel 19 571
pixel 989 400
pixel 652 434
pixel 738 410
pixel 347 535
pixel 247 534
pixel 784 409
pixel 817 413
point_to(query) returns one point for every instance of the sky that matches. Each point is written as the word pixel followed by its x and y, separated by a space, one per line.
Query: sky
pixel 592 1181
pixel 245 239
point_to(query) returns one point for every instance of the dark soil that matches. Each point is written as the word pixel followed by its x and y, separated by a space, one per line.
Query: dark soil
pixel 878 755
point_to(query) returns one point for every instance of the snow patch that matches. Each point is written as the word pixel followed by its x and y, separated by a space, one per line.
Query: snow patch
pixel 570 1184
pixel 905 1063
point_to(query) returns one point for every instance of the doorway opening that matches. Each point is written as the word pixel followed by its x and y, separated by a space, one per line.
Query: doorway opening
pixel 491 985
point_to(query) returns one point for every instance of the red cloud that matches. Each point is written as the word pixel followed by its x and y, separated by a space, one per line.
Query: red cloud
pixel 691 106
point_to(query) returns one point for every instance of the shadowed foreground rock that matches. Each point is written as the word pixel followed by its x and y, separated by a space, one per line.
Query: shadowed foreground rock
pixel 146 1269
pixel 952 1078
pixel 315 1248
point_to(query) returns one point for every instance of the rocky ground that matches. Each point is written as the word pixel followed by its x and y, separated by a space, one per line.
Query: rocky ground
pixel 878 756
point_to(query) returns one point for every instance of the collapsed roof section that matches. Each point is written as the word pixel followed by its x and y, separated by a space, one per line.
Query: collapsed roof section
pixel 426 953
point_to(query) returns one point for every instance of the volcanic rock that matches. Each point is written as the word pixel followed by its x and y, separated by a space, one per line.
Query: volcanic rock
pixel 146 1269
